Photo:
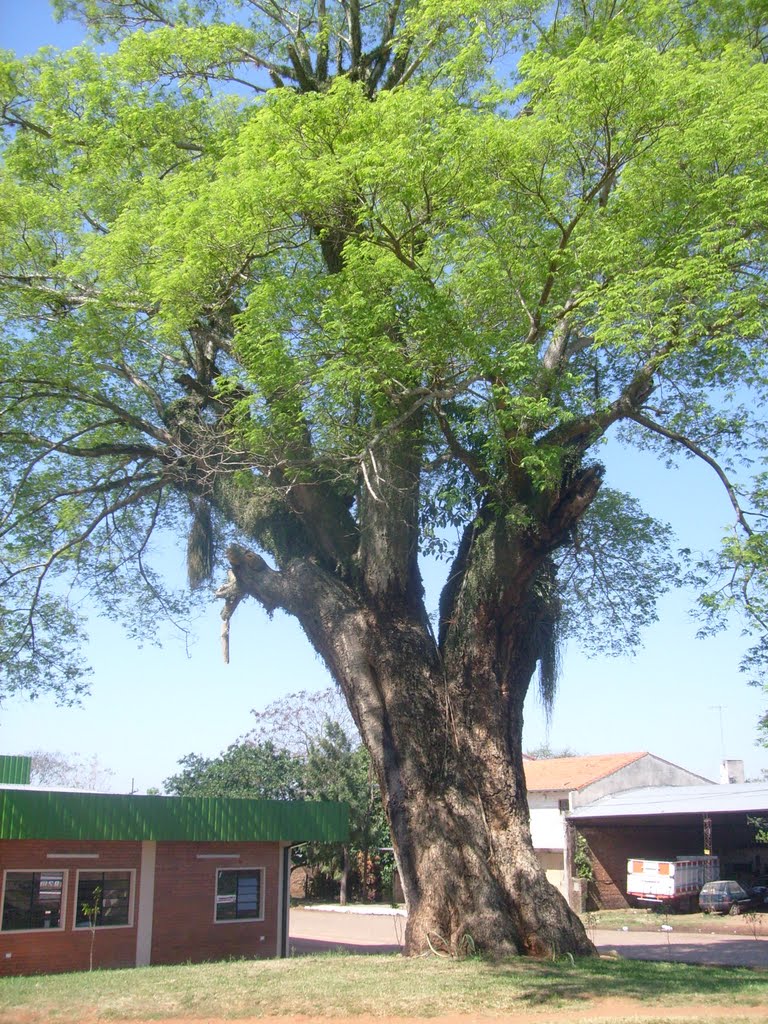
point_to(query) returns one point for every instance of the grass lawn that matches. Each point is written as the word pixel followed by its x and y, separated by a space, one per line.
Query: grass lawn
pixel 383 986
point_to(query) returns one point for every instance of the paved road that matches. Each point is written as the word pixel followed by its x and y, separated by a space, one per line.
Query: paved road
pixel 316 930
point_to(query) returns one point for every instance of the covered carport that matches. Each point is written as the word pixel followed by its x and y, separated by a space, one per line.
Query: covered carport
pixel 663 823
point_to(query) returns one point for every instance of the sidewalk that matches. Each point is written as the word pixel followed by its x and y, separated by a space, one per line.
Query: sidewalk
pixel 382 930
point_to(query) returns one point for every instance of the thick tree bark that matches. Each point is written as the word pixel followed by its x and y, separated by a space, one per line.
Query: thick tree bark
pixel 442 720
pixel 447 748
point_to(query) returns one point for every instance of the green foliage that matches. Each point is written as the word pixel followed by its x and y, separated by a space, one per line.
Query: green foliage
pixel 253 251
pixel 336 769
pixel 544 750
pixel 582 859
pixel 297 752
pixel 259 771
pixel 617 542
pixel 760 825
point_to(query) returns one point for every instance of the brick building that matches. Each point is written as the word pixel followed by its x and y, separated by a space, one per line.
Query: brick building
pixel 559 785
pixel 666 823
pixel 137 880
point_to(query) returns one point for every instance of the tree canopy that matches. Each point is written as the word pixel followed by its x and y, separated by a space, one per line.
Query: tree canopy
pixel 259 771
pixel 512 272
pixel 297 752
pixel 325 287
pixel 53 768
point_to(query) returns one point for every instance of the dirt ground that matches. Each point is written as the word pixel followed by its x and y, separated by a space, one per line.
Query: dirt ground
pixel 609 1011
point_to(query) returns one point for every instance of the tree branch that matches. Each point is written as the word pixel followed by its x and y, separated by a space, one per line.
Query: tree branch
pixel 685 442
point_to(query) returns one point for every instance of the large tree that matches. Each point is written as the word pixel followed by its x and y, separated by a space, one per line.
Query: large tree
pixel 303 283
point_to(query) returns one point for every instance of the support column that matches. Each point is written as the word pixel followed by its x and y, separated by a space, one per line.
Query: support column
pixel 145 904
pixel 283 901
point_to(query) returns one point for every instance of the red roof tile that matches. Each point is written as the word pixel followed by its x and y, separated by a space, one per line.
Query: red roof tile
pixel 567 773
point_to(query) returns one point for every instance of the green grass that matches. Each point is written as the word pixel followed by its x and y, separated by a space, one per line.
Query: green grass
pixel 385 986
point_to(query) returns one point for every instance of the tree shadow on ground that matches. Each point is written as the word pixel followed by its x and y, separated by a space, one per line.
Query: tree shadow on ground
pixel 644 980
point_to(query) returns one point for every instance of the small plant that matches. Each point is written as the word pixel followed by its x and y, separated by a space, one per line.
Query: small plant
pixel 467 947
pixel 590 922
pixel 582 859
pixel 760 825
pixel 91 910
pixel 755 921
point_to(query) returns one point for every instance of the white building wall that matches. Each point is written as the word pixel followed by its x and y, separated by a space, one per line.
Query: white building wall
pixel 542 798
pixel 547 828
pixel 646 772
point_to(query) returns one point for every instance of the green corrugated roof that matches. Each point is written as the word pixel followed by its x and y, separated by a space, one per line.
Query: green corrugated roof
pixel 35 814
pixel 15 771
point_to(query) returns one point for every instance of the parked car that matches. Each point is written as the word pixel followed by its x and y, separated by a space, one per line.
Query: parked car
pixel 728 897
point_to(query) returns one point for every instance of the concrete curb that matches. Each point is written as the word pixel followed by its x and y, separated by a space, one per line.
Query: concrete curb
pixel 372 911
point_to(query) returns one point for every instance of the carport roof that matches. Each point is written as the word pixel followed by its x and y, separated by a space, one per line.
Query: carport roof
pixel 747 797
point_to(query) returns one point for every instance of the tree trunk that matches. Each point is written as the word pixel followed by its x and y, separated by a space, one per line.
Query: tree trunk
pixel 344 886
pixel 451 771
pixel 443 724
pixel 442 717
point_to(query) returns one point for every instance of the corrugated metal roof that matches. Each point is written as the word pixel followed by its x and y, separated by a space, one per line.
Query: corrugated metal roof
pixel 567 773
pixel 749 797
pixel 32 814
pixel 15 770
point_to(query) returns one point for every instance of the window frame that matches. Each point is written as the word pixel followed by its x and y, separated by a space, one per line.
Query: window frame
pixel 85 926
pixel 238 870
pixel 61 926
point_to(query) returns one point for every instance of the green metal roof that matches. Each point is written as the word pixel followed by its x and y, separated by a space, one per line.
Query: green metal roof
pixel 36 814
pixel 15 771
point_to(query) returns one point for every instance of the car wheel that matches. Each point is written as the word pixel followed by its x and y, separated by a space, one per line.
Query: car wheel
pixel 735 910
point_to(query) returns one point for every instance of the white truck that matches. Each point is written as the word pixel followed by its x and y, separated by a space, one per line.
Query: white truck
pixel 674 884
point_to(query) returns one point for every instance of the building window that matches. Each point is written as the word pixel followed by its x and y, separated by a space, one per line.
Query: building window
pixel 103 899
pixel 239 894
pixel 32 900
pixel 562 806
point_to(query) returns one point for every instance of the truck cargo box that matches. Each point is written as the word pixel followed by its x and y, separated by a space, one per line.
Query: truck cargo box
pixel 674 883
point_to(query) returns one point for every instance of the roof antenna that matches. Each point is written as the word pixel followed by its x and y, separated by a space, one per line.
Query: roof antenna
pixel 720 708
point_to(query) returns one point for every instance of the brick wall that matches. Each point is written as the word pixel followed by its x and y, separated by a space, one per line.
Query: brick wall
pixel 184 929
pixel 612 846
pixel 67 948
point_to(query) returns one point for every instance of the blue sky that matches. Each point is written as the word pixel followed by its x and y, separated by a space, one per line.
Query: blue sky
pixel 149 706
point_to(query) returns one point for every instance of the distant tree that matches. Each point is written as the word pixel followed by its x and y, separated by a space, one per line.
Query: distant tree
pixel 296 750
pixel 258 770
pixel 294 722
pixel 338 769
pixel 544 751
pixel 54 768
